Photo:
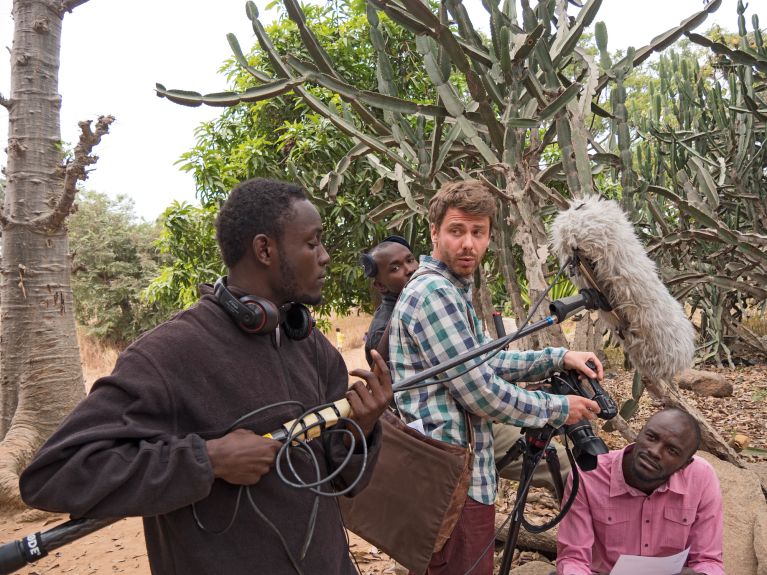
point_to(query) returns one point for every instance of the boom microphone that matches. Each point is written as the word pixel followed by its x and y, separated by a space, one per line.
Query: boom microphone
pixel 653 328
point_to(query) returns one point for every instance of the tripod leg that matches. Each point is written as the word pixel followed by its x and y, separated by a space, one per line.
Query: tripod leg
pixel 519 508
pixel 514 453
pixel 532 448
pixel 552 462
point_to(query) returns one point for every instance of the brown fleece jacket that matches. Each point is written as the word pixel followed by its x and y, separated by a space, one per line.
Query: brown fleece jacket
pixel 136 446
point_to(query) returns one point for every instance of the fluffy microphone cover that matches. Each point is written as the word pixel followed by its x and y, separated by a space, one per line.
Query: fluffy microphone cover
pixel 656 334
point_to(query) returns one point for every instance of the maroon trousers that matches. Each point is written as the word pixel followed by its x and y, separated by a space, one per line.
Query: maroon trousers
pixel 474 534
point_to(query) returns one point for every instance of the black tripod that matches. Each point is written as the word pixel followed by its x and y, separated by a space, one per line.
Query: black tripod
pixel 532 446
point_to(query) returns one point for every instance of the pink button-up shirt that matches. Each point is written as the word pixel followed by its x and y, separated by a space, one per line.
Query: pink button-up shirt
pixel 610 518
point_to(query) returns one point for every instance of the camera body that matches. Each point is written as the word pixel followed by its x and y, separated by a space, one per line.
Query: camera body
pixel 586 444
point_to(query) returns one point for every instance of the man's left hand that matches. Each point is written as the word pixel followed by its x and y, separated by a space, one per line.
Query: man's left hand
pixel 577 360
pixel 369 399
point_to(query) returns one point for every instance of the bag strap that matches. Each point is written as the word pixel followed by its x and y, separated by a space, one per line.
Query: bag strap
pixel 383 349
pixel 383 344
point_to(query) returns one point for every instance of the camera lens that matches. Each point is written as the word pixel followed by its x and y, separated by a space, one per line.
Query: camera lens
pixel 586 444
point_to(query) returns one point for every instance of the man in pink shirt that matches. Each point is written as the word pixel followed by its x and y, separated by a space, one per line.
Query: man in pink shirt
pixel 652 498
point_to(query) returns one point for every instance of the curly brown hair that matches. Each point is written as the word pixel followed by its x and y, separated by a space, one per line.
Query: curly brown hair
pixel 470 196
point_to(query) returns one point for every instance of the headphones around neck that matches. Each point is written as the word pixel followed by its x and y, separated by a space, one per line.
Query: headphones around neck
pixel 257 315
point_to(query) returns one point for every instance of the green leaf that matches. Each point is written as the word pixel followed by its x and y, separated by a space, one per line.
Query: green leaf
pixel 637 386
pixel 628 409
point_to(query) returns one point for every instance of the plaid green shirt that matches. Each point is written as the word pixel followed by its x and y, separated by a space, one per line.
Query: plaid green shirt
pixel 429 325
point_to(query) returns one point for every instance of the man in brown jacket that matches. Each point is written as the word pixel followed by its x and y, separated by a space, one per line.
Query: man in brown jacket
pixel 175 433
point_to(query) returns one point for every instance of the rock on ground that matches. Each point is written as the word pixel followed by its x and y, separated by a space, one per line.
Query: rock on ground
pixel 534 568
pixel 706 383
pixel 745 518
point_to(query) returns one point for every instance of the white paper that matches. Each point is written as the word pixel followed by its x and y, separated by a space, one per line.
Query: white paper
pixel 417 425
pixel 637 565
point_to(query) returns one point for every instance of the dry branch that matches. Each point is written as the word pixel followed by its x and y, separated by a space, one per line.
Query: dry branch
pixel 75 171
pixel 69 5
pixel 545 543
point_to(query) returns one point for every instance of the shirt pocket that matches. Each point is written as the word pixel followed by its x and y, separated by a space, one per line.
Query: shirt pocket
pixel 611 527
pixel 677 523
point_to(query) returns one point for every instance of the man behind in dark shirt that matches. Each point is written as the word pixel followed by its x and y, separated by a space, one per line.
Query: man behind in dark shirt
pixel 390 264
pixel 176 433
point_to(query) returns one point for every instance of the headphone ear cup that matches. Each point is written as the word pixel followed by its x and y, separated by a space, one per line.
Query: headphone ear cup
pixel 298 323
pixel 251 313
pixel 263 316
pixel 369 266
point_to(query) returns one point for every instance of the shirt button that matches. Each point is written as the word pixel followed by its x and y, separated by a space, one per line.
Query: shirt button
pixel 685 519
pixel 645 544
pixel 646 520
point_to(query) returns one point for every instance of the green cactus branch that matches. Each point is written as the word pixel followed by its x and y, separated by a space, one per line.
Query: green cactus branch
pixel 748 58
pixel 664 40
pixel 226 99
pixel 324 63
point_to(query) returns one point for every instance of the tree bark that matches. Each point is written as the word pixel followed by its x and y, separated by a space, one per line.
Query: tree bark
pixel 545 543
pixel 483 302
pixel 588 335
pixel 509 275
pixel 530 235
pixel 40 373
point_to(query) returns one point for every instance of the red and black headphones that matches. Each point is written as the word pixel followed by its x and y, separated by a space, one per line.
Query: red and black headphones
pixel 258 315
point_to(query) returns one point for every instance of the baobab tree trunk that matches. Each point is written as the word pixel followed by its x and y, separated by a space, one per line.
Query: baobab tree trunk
pixel 40 373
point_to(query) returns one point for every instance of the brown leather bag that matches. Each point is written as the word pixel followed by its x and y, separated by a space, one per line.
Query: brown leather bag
pixel 417 491
pixel 415 496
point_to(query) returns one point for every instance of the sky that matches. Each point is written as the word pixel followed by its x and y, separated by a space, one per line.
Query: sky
pixel 113 53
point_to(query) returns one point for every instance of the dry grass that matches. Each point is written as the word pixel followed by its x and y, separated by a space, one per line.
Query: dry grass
pixel 97 359
pixel 757 324
pixel 353 326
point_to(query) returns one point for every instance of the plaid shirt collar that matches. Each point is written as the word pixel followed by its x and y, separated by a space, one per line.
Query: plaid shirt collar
pixel 432 263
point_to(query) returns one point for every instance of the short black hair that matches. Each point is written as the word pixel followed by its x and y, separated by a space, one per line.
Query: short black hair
pixel 367 259
pixel 257 206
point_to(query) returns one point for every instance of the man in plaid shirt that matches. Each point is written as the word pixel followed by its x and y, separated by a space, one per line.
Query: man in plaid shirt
pixel 434 321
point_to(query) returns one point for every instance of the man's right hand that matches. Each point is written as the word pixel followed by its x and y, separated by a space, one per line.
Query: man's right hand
pixel 242 457
pixel 580 407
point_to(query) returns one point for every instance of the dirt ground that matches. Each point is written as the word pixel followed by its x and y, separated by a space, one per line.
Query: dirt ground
pixel 119 548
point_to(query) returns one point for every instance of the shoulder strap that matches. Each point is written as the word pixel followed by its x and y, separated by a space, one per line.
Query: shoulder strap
pixel 383 349
pixel 383 343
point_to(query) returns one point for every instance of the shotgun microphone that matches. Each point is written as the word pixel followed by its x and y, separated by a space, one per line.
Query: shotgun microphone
pixel 599 241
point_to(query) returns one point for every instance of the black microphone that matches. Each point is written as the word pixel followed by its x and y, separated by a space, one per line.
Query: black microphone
pixel 588 298
pixel 18 554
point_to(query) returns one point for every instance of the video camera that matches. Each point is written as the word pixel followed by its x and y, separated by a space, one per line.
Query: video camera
pixel 586 444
